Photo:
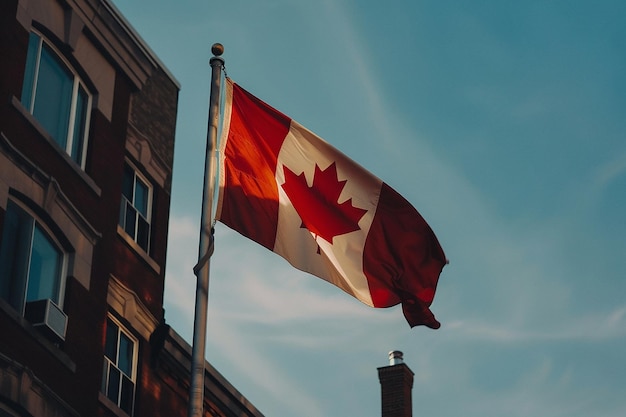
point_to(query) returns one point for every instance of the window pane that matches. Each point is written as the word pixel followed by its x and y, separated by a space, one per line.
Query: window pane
pixel 53 96
pixel 122 220
pixel 110 344
pixel 117 377
pixel 113 387
pixel 143 233
pixel 126 400
pixel 48 90
pixel 130 220
pixel 29 72
pixel 127 182
pixel 135 208
pixel 45 269
pixel 80 122
pixel 141 198
pixel 125 361
pixel 14 253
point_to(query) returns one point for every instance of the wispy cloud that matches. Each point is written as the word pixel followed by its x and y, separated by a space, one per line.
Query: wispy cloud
pixel 340 22
pixel 182 254
pixel 590 327
pixel 224 337
pixel 255 364
pixel 611 170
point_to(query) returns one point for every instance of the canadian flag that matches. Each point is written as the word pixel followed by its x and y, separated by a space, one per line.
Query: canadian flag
pixel 290 191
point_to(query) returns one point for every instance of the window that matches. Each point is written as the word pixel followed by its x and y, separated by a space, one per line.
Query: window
pixel 31 263
pixel 118 375
pixel 135 207
pixel 56 97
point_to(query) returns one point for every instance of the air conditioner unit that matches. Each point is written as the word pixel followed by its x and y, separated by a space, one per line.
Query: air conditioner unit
pixel 48 318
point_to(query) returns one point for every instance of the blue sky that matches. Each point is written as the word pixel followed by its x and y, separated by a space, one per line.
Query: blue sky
pixel 502 122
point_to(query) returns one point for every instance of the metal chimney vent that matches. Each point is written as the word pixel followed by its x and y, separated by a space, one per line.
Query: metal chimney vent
pixel 395 357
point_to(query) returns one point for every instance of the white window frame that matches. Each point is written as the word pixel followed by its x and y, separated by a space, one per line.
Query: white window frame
pixel 148 218
pixel 77 85
pixel 108 363
pixel 62 273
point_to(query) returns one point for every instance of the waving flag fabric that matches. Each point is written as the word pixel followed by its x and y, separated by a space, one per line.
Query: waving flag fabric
pixel 290 191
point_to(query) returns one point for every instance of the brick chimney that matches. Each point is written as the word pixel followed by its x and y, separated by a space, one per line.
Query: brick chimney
pixel 396 383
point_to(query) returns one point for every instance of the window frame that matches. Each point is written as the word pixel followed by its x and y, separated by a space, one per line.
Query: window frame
pixel 124 202
pixel 108 363
pixel 31 86
pixel 36 224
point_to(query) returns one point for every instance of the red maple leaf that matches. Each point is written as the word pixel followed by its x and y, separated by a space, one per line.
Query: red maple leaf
pixel 318 206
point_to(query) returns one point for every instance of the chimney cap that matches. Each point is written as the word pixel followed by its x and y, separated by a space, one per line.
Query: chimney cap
pixel 395 357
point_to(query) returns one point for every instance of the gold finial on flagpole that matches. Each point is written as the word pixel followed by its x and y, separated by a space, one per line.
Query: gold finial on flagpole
pixel 217 49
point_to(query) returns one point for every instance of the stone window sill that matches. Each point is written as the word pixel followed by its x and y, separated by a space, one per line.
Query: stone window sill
pixel 42 132
pixel 138 250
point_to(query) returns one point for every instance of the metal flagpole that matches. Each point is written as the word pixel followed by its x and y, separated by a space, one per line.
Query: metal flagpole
pixel 201 270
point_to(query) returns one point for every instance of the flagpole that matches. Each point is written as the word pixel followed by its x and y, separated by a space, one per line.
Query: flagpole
pixel 205 250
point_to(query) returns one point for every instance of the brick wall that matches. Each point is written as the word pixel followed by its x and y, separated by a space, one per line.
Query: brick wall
pixel 153 113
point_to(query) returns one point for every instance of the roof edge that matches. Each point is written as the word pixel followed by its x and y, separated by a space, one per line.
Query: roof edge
pixel 141 43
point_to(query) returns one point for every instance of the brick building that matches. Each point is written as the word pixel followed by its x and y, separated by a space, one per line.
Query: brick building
pixel 87 122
